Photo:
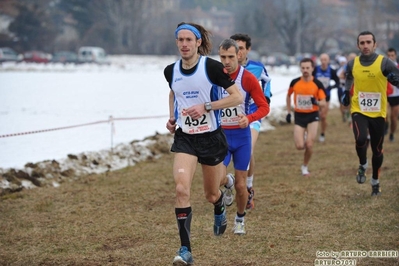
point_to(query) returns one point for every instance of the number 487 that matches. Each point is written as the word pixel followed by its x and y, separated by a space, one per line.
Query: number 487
pixel 369 102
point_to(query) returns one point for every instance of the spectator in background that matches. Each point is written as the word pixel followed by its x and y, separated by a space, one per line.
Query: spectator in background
pixel 325 73
pixel 196 84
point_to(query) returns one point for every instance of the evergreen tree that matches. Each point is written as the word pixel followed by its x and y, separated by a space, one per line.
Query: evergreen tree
pixel 81 12
pixel 33 27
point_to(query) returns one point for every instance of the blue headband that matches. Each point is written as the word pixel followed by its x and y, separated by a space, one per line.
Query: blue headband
pixel 190 28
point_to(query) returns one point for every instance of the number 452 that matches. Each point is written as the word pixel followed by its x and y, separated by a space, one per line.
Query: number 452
pixel 195 122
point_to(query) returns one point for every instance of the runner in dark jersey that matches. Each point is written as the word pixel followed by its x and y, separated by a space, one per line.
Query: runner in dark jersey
pixel 325 74
pixel 393 99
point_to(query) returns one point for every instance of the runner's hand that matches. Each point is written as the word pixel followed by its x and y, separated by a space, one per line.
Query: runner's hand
pixel 345 98
pixel 243 122
pixel 314 101
pixel 288 118
pixel 196 111
pixel 171 125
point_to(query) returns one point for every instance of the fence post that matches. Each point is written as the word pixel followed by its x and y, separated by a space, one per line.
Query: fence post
pixel 111 120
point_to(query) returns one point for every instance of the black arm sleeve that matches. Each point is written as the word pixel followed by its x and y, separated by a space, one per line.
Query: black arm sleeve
pixel 335 77
pixel 168 72
pixel 391 71
pixel 349 76
pixel 217 74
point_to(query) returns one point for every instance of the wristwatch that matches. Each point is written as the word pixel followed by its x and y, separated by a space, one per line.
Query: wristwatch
pixel 208 106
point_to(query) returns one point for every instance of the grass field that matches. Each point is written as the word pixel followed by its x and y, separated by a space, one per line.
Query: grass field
pixel 127 217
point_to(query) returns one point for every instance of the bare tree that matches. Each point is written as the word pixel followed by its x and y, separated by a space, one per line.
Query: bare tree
pixel 290 19
pixel 117 24
pixel 146 26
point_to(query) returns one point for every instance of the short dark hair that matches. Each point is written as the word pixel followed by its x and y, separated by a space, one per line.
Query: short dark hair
pixel 365 33
pixel 227 43
pixel 391 49
pixel 242 37
pixel 306 59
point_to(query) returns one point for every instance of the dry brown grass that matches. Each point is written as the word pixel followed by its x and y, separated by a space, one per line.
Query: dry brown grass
pixel 127 217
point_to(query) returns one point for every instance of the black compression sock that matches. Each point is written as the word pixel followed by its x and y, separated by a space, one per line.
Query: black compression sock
pixel 183 217
pixel 219 206
pixel 241 215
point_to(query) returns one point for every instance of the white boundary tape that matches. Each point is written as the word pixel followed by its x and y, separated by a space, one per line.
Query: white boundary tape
pixel 110 120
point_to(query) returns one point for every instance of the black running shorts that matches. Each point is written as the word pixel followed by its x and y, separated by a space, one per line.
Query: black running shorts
pixel 393 101
pixel 303 119
pixel 210 148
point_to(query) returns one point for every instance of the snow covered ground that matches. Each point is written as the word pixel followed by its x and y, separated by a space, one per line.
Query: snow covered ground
pixel 63 110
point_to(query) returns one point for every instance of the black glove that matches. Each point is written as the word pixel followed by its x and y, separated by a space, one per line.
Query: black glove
pixel 267 100
pixel 314 101
pixel 345 99
pixel 288 118
pixel 393 79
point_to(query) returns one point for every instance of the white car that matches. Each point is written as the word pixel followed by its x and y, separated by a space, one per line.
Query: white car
pixel 8 55
pixel 92 54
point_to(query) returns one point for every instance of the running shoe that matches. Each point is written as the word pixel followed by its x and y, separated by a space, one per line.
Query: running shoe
pixel 239 228
pixel 183 257
pixel 250 202
pixel 305 171
pixel 391 137
pixel 228 192
pixel 220 222
pixel 375 190
pixel 361 175
pixel 322 138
